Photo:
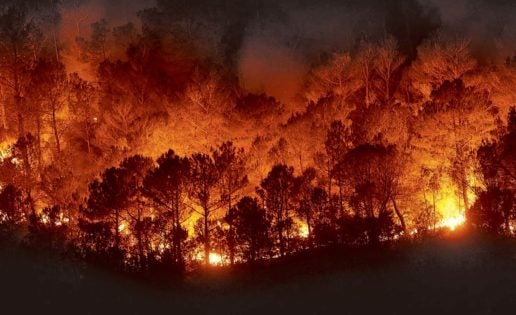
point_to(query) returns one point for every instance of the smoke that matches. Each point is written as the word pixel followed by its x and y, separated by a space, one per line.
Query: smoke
pixel 490 25
pixel 271 46
pixel 77 18
pixel 276 54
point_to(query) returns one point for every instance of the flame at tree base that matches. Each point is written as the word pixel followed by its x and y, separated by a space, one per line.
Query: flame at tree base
pixel 452 223
pixel 214 259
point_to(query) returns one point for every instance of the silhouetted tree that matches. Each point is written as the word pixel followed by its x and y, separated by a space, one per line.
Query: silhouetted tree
pixel 251 225
pixel 336 144
pixel 231 167
pixel 371 172
pixel 303 189
pixel 204 181
pixel 48 229
pixel 139 219
pixel 82 103
pixel 167 186
pixel 49 82
pixel 114 196
pixel 277 195
pixel 493 211
pixel 11 208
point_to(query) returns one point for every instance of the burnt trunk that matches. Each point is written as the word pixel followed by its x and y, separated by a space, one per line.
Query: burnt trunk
pixel 54 128
pixel 207 248
pixel 399 214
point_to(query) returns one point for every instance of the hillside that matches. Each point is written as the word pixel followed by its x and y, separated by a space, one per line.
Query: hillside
pixel 466 275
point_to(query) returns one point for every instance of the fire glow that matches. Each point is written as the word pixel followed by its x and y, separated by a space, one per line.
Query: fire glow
pixel 132 144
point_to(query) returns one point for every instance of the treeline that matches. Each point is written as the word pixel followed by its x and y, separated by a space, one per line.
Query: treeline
pixel 135 215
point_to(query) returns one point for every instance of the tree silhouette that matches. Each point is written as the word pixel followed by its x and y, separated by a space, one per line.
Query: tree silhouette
pixel 370 171
pixel 251 226
pixel 277 194
pixel 336 144
pixel 231 167
pixel 493 211
pixel 204 182
pixel 81 100
pixel 50 85
pixel 303 189
pixel 114 196
pixel 11 208
pixel 167 186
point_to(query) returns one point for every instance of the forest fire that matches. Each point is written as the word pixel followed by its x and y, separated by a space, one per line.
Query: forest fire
pixel 141 147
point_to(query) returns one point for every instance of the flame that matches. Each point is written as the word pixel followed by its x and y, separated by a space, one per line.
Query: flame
pixel 303 230
pixel 453 222
pixel 123 228
pixel 451 211
pixel 215 259
pixel 450 208
pixel 6 149
pixel 452 214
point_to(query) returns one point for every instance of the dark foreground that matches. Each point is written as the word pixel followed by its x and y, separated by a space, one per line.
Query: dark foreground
pixel 459 275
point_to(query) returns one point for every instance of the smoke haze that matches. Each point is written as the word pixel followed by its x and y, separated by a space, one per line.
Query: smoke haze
pixel 271 46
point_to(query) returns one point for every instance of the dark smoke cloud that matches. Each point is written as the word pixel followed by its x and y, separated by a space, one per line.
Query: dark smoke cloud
pixel 490 25
pixel 286 49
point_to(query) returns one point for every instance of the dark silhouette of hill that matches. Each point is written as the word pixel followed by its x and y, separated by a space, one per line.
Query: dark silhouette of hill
pixel 459 275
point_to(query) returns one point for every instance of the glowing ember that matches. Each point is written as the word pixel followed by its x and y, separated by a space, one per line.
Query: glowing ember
pixel 16 161
pixel 45 219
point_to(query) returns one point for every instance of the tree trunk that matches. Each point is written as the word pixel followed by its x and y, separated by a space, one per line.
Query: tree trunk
pixel 88 137
pixel 117 231
pixel 309 228
pixel 398 213
pixel 465 193
pixel 54 127
pixel 177 232
pixel 38 130
pixel 434 218
pixel 2 111
pixel 207 244
pixel 341 206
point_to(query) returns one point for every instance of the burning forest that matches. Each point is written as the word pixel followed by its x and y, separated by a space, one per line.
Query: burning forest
pixel 163 137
